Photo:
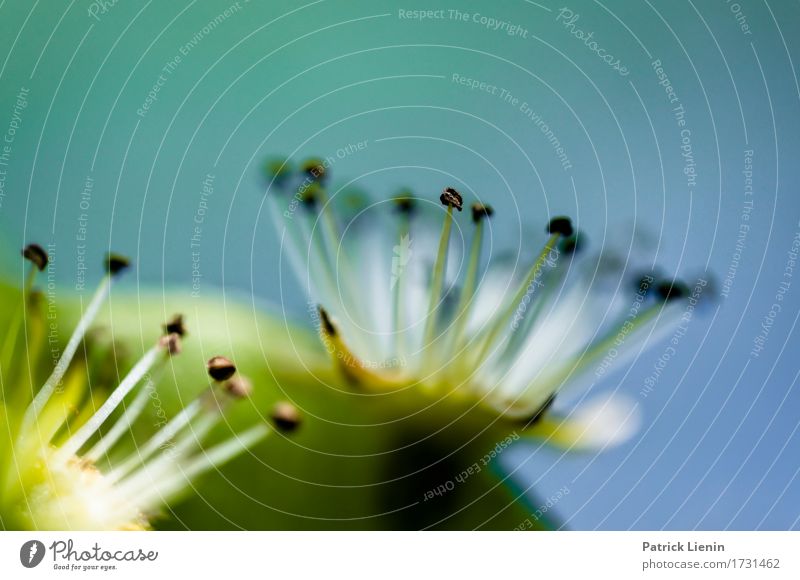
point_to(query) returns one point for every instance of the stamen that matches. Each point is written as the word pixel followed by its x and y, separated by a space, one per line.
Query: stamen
pixel 161 467
pixel 165 488
pixel 405 202
pixel 353 369
pixel 278 171
pixel 39 259
pixel 452 199
pixel 136 374
pixel 37 255
pixel 114 265
pixel 479 212
pixel 540 413
pixel 654 314
pixel 220 368
pixel 171 343
pixel 175 326
pixel 158 440
pixel 558 227
pixel 238 387
pixel 671 290
pixel 121 425
pixel 285 417
pixel 315 169
pixel 405 205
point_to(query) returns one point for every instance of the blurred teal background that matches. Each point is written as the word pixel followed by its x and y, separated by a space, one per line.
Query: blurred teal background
pixel 90 164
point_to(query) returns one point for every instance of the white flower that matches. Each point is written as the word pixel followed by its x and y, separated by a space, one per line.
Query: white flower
pixel 56 468
pixel 509 338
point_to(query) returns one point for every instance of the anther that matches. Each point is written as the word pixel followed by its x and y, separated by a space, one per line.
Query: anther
pixel 327 325
pixel 480 211
pixel 285 417
pixel 278 169
pixel 310 193
pixel 671 290
pixel 541 411
pixel 116 263
pixel 560 225
pixel 220 368
pixel 404 202
pixel 238 387
pixel 175 325
pixel 451 198
pixel 36 254
pixel 171 343
pixel 315 169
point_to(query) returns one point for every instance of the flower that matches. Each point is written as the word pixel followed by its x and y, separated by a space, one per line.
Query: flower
pixel 402 308
pixel 62 462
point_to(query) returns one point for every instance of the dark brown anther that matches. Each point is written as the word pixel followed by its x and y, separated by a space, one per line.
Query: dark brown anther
pixel 560 225
pixel 672 290
pixel 327 325
pixel 278 170
pixel 404 202
pixel 171 343
pixel 220 368
pixel 37 255
pixel 315 169
pixel 175 325
pixel 540 413
pixel 480 211
pixel 238 387
pixel 285 417
pixel 116 263
pixel 451 198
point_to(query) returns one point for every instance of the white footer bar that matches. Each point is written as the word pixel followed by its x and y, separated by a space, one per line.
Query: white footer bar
pixel 408 555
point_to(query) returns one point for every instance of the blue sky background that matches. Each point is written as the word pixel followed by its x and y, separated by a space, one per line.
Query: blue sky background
pixel 720 447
